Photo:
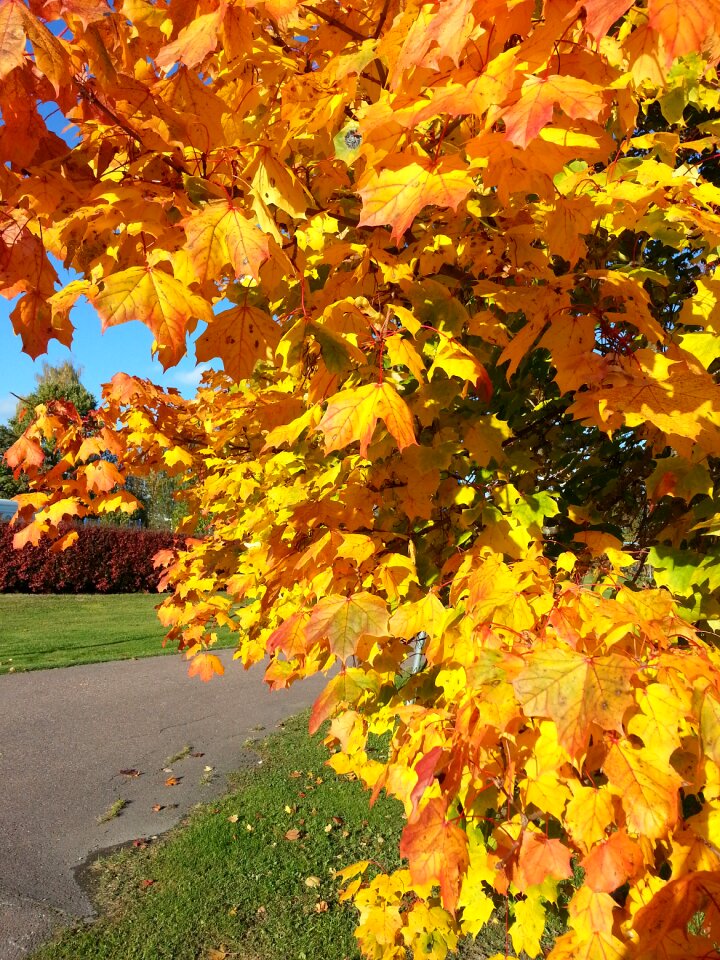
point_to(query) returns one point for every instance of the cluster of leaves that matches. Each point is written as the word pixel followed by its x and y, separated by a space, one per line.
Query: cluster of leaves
pixel 105 559
pixel 457 259
pixel 53 383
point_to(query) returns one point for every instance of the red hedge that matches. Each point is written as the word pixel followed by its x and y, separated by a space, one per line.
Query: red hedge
pixel 104 559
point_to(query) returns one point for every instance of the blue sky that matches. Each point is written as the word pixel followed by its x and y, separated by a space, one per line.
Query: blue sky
pixel 124 348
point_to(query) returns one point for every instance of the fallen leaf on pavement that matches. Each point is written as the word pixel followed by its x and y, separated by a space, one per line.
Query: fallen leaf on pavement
pixel 130 772
pixel 172 781
pixel 157 807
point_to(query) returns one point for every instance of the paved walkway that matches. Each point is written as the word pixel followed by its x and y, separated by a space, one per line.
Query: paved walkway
pixel 66 734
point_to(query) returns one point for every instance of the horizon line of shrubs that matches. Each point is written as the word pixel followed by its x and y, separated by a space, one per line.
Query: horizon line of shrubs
pixel 104 559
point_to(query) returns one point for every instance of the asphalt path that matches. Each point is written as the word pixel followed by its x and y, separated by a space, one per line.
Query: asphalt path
pixel 65 737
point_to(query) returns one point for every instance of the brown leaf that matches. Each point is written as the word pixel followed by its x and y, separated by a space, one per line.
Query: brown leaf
pixel 321 906
pixel 130 772
pixel 172 781
pixel 157 807
pixel 292 834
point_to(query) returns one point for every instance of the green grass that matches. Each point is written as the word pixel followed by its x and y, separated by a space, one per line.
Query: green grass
pixel 41 630
pixel 114 810
pixel 229 880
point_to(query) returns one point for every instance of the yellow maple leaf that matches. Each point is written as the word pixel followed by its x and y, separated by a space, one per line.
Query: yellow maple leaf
pixel 648 790
pixel 528 927
pixel 12 36
pixel 575 691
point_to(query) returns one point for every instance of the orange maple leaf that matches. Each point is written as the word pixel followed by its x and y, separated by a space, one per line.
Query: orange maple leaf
pixel 685 26
pixel 241 335
pixel 611 862
pixel 12 36
pixel 648 790
pixel 194 42
pixel 219 235
pixel 539 96
pixel 436 850
pixel 205 666
pixel 406 184
pixel 344 620
pixel 158 299
pixel 353 415
pixel 24 454
pixel 541 859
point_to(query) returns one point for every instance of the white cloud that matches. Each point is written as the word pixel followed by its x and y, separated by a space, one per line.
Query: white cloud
pixel 188 378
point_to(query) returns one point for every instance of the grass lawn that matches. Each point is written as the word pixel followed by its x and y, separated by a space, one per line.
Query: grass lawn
pixel 42 630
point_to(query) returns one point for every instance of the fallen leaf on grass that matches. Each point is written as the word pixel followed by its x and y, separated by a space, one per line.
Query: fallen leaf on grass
pixel 130 772
pixel 233 818
pixel 322 906
pixel 141 843
pixel 295 774
pixel 172 781
pixel 312 881
pixel 146 883
pixel 292 834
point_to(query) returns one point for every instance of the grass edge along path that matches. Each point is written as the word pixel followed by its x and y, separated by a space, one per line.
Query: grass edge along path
pixel 40 631
pixel 251 875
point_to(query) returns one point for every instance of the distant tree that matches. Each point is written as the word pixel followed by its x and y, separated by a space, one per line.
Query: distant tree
pixel 53 383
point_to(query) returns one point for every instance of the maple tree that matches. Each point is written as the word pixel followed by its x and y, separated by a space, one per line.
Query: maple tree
pixel 457 259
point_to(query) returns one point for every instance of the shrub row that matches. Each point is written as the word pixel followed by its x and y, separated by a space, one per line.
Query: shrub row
pixel 102 560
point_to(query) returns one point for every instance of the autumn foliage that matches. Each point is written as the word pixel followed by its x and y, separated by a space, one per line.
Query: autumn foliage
pixel 457 261
pixel 104 559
